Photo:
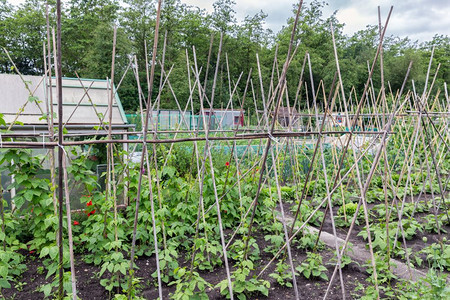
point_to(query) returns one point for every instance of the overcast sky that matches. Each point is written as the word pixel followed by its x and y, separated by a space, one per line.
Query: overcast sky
pixel 417 19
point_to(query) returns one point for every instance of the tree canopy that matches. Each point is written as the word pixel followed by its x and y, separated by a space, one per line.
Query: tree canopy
pixel 87 34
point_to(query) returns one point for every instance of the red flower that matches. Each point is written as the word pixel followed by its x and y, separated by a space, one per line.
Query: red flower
pixel 32 251
pixel 227 164
pixel 91 213
pixel 89 203
pixel 76 223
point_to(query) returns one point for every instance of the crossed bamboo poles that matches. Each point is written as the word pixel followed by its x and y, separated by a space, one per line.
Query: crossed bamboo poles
pixel 277 95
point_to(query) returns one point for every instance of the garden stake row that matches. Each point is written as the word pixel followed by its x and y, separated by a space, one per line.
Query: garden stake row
pixel 207 155
pixel 141 168
pixel 281 86
pixel 349 140
pixel 323 201
pixel 49 111
pixel 362 199
pixel 369 152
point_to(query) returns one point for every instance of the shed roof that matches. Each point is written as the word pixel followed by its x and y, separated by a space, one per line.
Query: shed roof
pixel 85 101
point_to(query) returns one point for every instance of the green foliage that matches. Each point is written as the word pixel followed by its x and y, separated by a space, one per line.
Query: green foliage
pixel 35 221
pixel 11 261
pixel 117 265
pixel 237 249
pixel 288 193
pixel 207 255
pixel 243 286
pixel 136 286
pixel 125 297
pixel 80 168
pixel 29 187
pixel 349 208
pixel 276 241
pixel 282 274
pixel 383 269
pixel 344 220
pixel 168 264
pixel 306 210
pixel 189 285
pixel 433 286
pixel 307 241
pixel 438 255
pixel 312 267
pixel 378 233
pixel 2 120
pixel 435 224
pixel 51 289
pixel 345 259
pixel 11 266
pixel 22 30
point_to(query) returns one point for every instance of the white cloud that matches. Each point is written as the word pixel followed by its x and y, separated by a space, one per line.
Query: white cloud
pixel 417 19
pixel 355 21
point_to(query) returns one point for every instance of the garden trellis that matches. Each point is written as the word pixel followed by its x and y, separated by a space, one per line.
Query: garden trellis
pixel 340 143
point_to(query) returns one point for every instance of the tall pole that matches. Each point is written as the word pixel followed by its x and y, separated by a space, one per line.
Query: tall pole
pixel 60 150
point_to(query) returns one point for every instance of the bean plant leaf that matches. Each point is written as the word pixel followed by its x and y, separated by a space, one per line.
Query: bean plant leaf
pixel 44 252
pixel 5 284
pixel 53 251
pixel 2 120
pixel 33 99
pixel 19 201
pixel 3 271
pixel 29 195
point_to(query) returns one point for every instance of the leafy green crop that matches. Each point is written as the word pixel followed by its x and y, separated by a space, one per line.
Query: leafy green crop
pixel 313 266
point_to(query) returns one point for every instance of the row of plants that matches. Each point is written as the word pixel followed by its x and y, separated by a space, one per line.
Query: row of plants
pixel 187 246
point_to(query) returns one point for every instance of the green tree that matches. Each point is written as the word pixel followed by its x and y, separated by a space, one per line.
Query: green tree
pixel 357 51
pixel 441 56
pixel 313 36
pixel 5 13
pixel 223 17
pixel 398 54
pixel 82 25
pixel 24 36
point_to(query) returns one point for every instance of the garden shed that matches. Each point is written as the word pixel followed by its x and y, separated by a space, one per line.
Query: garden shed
pixel 223 118
pixel 85 104
pixel 166 119
pixel 26 100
